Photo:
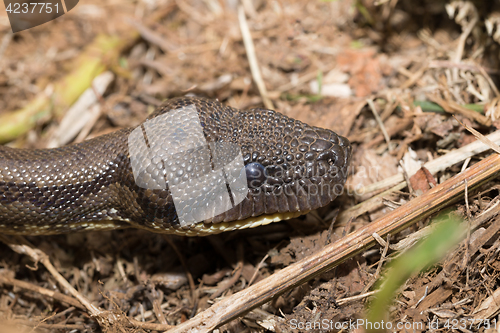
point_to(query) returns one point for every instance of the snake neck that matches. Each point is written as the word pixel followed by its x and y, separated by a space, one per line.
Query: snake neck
pixel 60 185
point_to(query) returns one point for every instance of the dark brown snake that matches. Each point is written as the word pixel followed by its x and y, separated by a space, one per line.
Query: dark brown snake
pixel 161 175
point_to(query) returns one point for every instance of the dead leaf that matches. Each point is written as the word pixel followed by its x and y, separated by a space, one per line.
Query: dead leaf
pixel 421 180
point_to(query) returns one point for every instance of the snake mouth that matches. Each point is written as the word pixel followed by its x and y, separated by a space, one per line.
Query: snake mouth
pixel 205 229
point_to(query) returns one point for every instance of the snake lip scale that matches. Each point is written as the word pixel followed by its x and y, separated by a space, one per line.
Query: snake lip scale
pixel 194 167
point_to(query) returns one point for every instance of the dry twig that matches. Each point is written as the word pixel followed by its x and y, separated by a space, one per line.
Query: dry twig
pixel 438 164
pixel 252 59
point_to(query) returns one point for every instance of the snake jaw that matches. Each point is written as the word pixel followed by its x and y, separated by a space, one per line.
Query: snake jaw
pixel 205 229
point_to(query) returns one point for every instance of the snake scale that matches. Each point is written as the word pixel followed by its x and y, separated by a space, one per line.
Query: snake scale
pixel 139 177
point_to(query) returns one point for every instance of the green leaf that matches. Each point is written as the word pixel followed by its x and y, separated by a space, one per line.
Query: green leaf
pixel 446 235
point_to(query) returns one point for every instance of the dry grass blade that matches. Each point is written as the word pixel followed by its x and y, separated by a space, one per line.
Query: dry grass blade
pixel 448 192
pixel 462 65
pixel 489 307
pixel 252 59
pixel 367 205
pixel 43 291
pixel 438 164
pixel 379 122
pixel 152 37
pixel 481 137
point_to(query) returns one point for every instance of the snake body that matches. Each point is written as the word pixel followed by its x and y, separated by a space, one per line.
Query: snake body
pixel 290 167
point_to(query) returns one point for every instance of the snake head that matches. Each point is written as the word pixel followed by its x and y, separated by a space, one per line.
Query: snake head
pixel 224 168
pixel 292 167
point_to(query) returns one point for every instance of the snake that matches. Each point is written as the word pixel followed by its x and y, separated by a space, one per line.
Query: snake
pixel 194 167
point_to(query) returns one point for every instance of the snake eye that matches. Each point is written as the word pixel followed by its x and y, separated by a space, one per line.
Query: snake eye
pixel 256 174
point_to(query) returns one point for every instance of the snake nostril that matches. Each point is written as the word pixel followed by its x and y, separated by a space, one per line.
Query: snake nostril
pixel 328 156
pixel 335 156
